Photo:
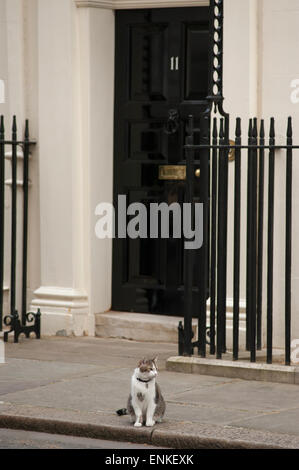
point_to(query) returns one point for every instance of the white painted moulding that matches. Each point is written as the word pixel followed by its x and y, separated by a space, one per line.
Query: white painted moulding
pixel 134 4
pixel 60 297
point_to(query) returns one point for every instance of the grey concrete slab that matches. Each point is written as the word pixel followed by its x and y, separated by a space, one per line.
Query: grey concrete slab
pixel 22 374
pixel 279 422
pixel 205 414
pixel 12 387
pixel 91 393
pixel 106 391
pixel 92 396
pixel 115 352
pixel 169 382
pixel 20 369
pixel 244 395
pixel 172 384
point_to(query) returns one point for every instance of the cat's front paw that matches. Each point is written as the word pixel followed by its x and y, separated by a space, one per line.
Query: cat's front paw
pixel 137 425
pixel 150 424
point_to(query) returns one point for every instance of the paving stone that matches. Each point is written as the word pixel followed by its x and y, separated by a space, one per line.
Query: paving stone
pixel 244 395
pixel 279 422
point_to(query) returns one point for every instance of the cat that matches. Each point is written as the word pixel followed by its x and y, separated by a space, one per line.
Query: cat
pixel 146 404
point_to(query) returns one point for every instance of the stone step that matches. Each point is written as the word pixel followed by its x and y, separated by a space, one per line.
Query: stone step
pixel 150 327
pixel 139 326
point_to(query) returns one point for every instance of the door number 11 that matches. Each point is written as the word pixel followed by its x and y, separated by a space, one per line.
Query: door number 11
pixel 174 63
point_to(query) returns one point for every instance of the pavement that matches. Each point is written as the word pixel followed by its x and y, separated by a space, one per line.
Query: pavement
pixel 73 386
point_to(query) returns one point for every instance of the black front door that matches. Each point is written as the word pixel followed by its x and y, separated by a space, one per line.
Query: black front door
pixel 161 71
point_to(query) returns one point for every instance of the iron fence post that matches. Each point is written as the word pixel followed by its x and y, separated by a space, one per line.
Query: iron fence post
pixel 188 255
pixel 288 244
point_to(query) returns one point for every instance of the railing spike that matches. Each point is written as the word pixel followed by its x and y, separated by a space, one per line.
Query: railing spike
pixel 288 244
pixel 2 129
pixel 250 128
pixel 272 128
pixel 27 129
pixel 238 127
pixel 262 129
pixel 254 129
pixel 14 124
pixel 221 132
pixel 290 128
pixel 215 131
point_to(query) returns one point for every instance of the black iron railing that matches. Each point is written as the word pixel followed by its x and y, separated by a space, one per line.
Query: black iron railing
pixel 214 166
pixel 29 322
pixel 217 159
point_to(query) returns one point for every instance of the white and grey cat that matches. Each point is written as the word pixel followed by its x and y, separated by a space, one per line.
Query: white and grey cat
pixel 146 404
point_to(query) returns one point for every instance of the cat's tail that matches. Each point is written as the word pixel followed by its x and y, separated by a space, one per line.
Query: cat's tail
pixel 122 412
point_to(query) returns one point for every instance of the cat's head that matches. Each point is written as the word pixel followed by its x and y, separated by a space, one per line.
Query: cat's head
pixel 147 368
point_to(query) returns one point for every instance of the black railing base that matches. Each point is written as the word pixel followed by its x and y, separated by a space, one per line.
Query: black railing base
pixel 181 341
pixel 16 327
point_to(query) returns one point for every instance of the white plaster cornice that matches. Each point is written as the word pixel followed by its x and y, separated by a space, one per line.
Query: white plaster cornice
pixel 134 4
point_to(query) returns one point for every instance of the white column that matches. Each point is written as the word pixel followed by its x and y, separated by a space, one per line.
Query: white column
pixel 280 69
pixel 76 108
pixel 63 292
pixel 96 40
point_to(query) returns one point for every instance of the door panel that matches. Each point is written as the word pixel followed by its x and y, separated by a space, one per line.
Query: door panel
pixel 161 64
pixel 146 142
pixel 148 77
pixel 196 62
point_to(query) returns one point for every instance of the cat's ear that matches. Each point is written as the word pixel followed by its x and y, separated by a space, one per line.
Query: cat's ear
pixel 155 360
pixel 141 362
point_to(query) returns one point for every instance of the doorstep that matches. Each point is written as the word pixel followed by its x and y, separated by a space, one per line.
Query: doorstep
pixel 139 326
pixel 235 369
